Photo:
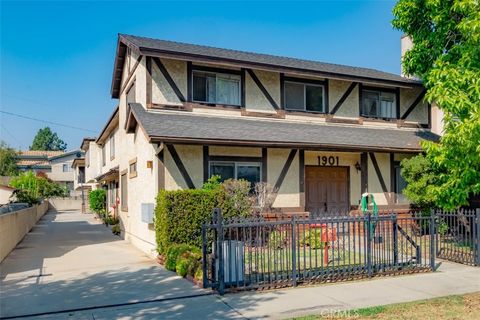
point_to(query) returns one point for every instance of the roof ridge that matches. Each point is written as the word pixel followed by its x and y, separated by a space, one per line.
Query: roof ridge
pixel 263 54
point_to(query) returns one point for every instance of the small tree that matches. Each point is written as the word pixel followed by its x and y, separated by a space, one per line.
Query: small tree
pixel 8 161
pixel 32 188
pixel 97 200
pixel 264 195
pixel 46 139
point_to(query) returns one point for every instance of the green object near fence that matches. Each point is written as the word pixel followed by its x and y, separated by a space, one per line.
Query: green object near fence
pixel 374 212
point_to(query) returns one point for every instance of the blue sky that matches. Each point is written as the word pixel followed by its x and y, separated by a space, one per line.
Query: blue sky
pixel 57 57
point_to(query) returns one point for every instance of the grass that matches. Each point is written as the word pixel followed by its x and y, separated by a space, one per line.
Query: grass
pixel 461 307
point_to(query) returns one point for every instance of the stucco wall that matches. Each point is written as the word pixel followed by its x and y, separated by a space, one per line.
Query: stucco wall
pixel 255 100
pixel 288 194
pixel 162 92
pixel 420 112
pixel 350 106
pixel 192 158
pixel 15 225
pixel 374 186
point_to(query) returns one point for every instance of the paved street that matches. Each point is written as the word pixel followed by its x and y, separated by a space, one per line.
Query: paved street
pixel 71 262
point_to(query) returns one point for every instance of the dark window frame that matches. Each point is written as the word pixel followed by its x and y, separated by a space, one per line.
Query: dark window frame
pixel 124 191
pixel 396 91
pixel 312 82
pixel 236 164
pixel 195 68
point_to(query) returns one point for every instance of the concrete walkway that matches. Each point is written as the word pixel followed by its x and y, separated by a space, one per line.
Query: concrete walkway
pixel 84 266
pixel 70 261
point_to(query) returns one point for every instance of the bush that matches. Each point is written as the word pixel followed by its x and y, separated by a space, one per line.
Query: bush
pixel 110 220
pixel 278 239
pixel 188 263
pixel 97 200
pixel 312 239
pixel 32 188
pixel 180 214
pixel 174 252
pixel 116 230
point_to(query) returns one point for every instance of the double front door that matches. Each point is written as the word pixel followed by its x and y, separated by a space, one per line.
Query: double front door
pixel 327 190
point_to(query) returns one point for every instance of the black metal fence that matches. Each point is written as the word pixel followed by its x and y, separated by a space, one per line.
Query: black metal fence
pixel 257 253
pixel 458 236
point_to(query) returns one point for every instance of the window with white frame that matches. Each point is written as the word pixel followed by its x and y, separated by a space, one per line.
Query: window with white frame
pixel 112 146
pixel 104 157
pixel 379 104
pixel 250 171
pixel 67 167
pixel 304 97
pixel 218 88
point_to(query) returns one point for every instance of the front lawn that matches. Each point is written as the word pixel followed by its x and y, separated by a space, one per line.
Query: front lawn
pixel 464 307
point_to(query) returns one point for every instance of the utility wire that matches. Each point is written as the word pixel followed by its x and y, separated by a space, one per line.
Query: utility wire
pixel 46 121
pixel 12 136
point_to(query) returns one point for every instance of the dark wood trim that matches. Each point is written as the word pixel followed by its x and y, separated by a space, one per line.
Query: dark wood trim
pixel 207 105
pixel 161 170
pixel 392 171
pixel 305 81
pixel 277 115
pixel 235 158
pixel 206 159
pixel 375 88
pixel 285 169
pixel 325 98
pixel 397 99
pixel 169 79
pixel 180 166
pixel 125 84
pixel 148 66
pixel 263 89
pixel 301 170
pixel 283 145
pixel 429 110
pixel 364 172
pixel 305 113
pixel 344 97
pixel 189 81
pixel 343 120
pixel 267 66
pixel 216 70
pixel 264 165
pixel 394 177
pixel 360 98
pixel 242 88
pixel 282 91
pixel 414 104
pixel 378 172
pixel 183 107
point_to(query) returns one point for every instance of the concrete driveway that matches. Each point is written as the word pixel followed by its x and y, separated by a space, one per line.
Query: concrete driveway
pixel 71 261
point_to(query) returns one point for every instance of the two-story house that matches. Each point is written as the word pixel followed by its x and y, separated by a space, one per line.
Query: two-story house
pixel 56 165
pixel 321 134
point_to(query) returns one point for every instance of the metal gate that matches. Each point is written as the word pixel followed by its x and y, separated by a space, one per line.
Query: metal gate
pixel 252 253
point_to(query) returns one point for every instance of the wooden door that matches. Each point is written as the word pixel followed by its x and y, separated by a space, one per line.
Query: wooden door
pixel 327 190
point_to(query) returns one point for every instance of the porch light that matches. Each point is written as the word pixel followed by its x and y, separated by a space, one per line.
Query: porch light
pixel 358 167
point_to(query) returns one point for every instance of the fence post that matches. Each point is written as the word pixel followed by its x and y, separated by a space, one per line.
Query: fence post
pixel 204 256
pixel 294 253
pixel 395 240
pixel 369 244
pixel 432 239
pixel 477 236
pixel 219 226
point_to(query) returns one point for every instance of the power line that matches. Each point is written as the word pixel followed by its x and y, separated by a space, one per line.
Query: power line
pixel 46 121
pixel 11 135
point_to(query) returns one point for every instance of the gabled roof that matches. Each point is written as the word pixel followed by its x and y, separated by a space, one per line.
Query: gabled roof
pixel 85 143
pixel 38 153
pixel 111 125
pixel 192 52
pixel 184 127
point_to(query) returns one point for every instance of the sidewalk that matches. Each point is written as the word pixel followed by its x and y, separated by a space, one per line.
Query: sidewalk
pixel 287 303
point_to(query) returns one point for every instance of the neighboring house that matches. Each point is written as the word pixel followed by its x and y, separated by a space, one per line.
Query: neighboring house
pixel 56 165
pixel 321 134
pixel 5 194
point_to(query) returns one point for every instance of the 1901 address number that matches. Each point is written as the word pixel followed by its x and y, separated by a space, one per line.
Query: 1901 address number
pixel 328 161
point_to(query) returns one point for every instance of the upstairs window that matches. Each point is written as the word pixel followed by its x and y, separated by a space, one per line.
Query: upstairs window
pixel 112 146
pixel 67 167
pixel 104 157
pixel 216 88
pixel 304 97
pixel 379 104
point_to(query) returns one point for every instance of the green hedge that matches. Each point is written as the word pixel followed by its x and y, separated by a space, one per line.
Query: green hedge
pixel 179 215
pixel 97 200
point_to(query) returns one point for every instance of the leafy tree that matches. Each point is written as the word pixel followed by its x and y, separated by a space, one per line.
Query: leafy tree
pixel 97 200
pixel 46 139
pixel 32 188
pixel 8 161
pixel 446 55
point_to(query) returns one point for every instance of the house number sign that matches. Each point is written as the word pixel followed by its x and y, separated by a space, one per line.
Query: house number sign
pixel 328 161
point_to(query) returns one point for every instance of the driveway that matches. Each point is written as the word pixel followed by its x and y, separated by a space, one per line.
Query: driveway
pixel 70 261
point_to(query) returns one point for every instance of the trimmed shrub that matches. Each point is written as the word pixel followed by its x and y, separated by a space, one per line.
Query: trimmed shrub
pixel 180 214
pixel 188 263
pixel 97 200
